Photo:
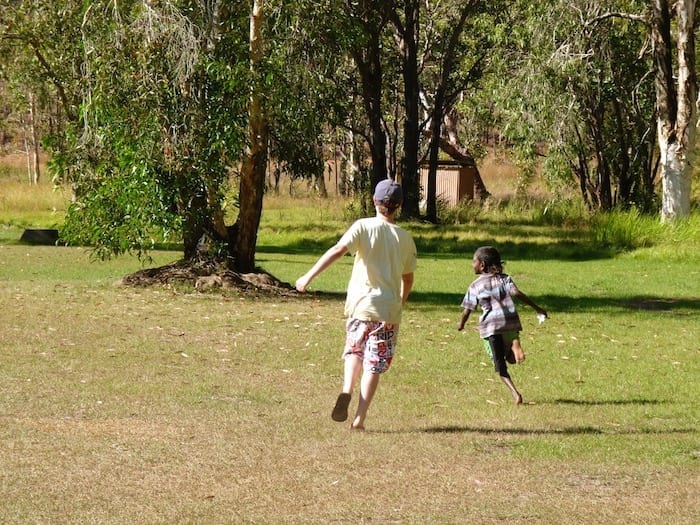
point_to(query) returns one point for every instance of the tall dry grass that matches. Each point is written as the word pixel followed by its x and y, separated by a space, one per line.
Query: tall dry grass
pixel 24 204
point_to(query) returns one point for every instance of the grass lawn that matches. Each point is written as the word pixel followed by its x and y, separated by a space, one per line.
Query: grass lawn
pixel 163 405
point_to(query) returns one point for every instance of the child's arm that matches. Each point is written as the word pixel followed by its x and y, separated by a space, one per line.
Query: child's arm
pixel 463 319
pixel 406 286
pixel 332 254
pixel 524 298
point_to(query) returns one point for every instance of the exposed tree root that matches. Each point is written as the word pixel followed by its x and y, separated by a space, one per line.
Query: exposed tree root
pixel 204 274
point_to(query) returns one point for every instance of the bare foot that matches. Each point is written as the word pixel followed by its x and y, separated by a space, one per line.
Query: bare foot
pixel 518 352
pixel 357 425
pixel 518 399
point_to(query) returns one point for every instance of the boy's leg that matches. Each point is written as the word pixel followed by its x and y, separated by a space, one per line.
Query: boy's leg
pixel 516 395
pixel 355 334
pixel 352 368
pixel 368 386
pixel 351 372
pixel 518 350
pixel 498 348
pixel 378 355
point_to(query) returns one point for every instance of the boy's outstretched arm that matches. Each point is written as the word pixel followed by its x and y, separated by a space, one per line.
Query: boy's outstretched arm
pixel 333 254
pixel 524 298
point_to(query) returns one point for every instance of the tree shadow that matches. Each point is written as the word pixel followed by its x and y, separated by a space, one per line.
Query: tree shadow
pixel 554 304
pixel 611 402
pixel 565 304
pixel 563 431
pixel 455 248
pixel 566 430
pixel 565 249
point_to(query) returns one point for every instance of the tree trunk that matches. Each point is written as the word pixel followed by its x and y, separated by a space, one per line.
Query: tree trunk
pixel 433 153
pixel 369 65
pixel 676 110
pixel 192 207
pixel 441 106
pixel 408 44
pixel 457 151
pixel 255 161
pixel 36 173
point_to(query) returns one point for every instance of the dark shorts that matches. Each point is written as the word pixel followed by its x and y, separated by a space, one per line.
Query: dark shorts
pixel 500 347
pixel 507 340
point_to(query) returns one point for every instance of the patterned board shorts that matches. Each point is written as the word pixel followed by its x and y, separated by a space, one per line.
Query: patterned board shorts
pixel 373 342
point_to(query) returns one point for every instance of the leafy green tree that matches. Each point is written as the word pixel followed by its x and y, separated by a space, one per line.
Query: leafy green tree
pixel 577 87
pixel 154 99
pixel 460 50
pixel 406 59
pixel 161 120
pixel 38 81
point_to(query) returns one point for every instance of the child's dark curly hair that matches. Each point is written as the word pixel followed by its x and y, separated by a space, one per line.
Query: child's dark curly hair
pixel 491 259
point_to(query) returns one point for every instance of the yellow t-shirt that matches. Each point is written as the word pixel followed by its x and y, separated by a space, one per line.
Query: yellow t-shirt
pixel 383 253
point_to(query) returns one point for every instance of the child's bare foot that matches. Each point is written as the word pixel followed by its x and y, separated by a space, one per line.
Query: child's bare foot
pixel 518 399
pixel 357 424
pixel 519 355
pixel 518 351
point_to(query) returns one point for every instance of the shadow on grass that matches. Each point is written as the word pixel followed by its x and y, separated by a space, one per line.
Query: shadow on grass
pixel 454 248
pixel 565 431
pixel 565 250
pixel 554 304
pixel 562 304
pixel 612 402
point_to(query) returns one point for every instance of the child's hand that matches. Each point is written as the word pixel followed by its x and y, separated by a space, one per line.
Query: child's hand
pixel 463 319
pixel 302 283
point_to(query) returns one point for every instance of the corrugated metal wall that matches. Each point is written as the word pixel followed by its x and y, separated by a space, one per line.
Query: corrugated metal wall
pixel 454 182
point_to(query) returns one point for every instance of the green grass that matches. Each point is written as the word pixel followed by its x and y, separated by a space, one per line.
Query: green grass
pixel 129 405
pixel 161 405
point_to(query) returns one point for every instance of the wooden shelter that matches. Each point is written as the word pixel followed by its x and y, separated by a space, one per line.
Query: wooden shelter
pixel 454 181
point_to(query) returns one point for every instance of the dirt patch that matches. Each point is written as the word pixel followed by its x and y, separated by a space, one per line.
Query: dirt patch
pixel 206 275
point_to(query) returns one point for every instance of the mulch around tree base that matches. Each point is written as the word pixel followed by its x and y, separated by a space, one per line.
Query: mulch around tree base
pixel 207 275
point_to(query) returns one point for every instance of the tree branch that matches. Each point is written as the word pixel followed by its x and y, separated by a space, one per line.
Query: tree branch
pixel 31 42
pixel 627 16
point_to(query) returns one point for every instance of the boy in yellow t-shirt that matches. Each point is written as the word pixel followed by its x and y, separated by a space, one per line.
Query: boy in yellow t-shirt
pixel 381 279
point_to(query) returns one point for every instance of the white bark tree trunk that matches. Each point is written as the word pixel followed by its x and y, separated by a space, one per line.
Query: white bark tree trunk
pixel 254 164
pixel 676 104
pixel 676 172
pixel 36 170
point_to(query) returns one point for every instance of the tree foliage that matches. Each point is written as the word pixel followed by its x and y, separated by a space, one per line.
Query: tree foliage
pixel 580 93
pixel 162 104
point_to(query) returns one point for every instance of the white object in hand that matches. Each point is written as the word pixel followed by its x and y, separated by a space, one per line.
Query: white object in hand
pixel 541 318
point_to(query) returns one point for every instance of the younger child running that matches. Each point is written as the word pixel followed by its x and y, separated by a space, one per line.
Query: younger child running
pixel 499 324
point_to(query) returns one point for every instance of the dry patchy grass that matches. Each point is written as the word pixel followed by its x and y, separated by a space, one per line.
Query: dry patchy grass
pixel 123 405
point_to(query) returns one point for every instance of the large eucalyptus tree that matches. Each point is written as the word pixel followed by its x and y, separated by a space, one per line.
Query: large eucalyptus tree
pixel 673 26
pixel 163 103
